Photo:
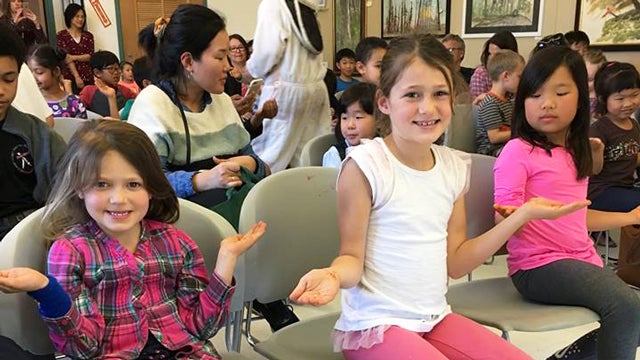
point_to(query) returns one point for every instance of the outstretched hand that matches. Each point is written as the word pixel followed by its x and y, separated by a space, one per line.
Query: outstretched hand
pixel 236 245
pixel 21 279
pixel 541 208
pixel 317 287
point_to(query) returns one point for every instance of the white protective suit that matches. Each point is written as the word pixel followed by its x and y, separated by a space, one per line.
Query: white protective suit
pixel 283 54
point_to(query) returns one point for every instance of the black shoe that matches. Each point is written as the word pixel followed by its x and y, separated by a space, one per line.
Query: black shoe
pixel 277 314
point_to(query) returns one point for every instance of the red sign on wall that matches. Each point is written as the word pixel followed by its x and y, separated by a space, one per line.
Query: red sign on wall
pixel 102 15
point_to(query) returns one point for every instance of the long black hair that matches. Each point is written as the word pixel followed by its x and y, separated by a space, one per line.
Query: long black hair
pixel 540 67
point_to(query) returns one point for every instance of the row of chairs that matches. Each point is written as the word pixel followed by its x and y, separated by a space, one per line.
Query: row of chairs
pixel 299 207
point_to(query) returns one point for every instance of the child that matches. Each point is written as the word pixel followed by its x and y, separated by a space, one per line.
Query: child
pixel 106 97
pixel 345 62
pixel 402 225
pixel 594 59
pixel 612 188
pixel 368 55
pixel 495 110
pixel 127 79
pixel 578 41
pixel 355 122
pixel 142 76
pixel 554 261
pixel 122 281
pixel 45 63
pixel 30 149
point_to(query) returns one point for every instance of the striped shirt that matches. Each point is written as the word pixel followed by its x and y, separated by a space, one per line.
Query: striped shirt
pixel 119 297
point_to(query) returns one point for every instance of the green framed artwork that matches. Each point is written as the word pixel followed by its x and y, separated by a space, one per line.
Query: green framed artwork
pixel 349 18
pixel 612 25
pixel 403 17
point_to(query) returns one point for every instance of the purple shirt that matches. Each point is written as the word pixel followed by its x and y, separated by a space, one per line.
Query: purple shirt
pixel 523 172
pixel 118 297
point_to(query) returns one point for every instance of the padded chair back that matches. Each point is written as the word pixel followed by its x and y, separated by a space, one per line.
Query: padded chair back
pixel 24 246
pixel 207 229
pixel 479 197
pixel 461 133
pixel 66 126
pixel 299 207
pixel 315 148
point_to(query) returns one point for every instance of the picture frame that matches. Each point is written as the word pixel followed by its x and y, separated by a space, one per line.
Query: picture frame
pixel 522 18
pixel 349 23
pixel 611 26
pixel 322 4
pixel 403 17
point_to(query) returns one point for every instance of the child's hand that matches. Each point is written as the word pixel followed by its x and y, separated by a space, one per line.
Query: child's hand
pixel 317 287
pixel 236 245
pixel 105 89
pixel 21 279
pixel 541 208
pixel 505 210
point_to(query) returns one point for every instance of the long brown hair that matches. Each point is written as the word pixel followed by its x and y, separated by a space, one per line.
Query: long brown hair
pixel 80 167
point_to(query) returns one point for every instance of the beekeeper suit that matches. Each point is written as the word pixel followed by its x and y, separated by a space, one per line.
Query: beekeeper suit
pixel 287 48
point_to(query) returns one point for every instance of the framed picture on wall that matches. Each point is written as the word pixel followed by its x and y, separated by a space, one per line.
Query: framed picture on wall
pixel 612 25
pixel 483 18
pixel 349 22
pixel 402 17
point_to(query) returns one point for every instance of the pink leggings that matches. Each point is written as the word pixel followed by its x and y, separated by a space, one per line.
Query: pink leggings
pixel 455 337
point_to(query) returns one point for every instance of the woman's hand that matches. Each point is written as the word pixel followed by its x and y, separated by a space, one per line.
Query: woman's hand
pixel 79 82
pixel 541 208
pixel 21 279
pixel 317 287
pixel 243 104
pixel 225 175
pixel 269 109
pixel 27 13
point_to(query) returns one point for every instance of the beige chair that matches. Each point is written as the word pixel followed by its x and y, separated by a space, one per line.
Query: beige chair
pixel 461 133
pixel 66 126
pixel 496 302
pixel 299 207
pixel 24 246
pixel 315 148
pixel 207 229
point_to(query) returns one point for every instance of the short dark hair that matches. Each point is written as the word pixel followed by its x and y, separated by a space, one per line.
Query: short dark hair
pixel 101 59
pixel 613 77
pixel 361 93
pixel 142 71
pixel 576 37
pixel 243 42
pixel 366 46
pixel 345 53
pixel 11 45
pixel 456 38
pixel 70 12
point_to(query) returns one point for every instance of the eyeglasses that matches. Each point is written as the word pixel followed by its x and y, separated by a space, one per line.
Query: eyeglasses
pixel 451 50
pixel 112 68
pixel 552 40
pixel 237 48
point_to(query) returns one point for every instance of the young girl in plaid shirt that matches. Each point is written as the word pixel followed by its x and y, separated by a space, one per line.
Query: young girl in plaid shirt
pixel 124 283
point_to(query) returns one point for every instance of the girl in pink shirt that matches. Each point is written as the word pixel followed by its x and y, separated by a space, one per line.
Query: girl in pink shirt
pixel 550 155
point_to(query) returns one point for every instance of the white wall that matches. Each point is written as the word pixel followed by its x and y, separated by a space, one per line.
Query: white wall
pixel 240 15
pixel 105 38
